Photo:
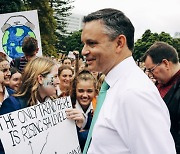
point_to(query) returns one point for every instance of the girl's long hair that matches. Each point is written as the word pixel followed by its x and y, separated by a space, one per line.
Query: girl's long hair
pixel 29 86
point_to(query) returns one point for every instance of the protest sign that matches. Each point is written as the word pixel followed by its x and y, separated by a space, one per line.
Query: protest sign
pixel 40 129
pixel 14 28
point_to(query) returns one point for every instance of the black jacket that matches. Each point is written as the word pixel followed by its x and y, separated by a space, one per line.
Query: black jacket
pixel 172 99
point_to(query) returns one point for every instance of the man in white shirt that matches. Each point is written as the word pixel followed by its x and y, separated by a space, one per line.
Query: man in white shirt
pixel 133 118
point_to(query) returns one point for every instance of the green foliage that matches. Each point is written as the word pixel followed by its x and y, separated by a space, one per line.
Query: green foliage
pixel 52 24
pixel 47 24
pixel 51 15
pixel 62 9
pixel 176 45
pixel 7 6
pixel 148 38
pixel 73 42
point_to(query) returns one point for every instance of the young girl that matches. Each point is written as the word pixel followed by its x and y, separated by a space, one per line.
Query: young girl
pixel 65 74
pixel 15 79
pixel 4 79
pixel 39 81
pixel 83 92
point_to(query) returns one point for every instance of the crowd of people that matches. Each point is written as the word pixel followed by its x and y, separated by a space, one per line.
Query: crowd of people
pixel 29 80
pixel 136 116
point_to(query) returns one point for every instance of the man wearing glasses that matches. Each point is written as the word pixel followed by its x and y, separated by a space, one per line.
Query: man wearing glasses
pixel 162 64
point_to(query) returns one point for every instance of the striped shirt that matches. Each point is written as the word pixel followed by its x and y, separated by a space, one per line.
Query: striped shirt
pixel 22 63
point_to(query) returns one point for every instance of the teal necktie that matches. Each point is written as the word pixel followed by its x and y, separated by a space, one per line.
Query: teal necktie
pixel 101 97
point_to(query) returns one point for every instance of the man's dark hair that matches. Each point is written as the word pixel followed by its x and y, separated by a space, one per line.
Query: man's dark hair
pixel 115 23
pixel 161 50
pixel 29 45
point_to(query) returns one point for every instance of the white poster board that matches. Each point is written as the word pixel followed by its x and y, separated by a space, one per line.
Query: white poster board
pixel 40 129
pixel 14 27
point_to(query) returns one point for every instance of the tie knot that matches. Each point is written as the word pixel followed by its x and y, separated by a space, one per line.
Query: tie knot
pixel 104 86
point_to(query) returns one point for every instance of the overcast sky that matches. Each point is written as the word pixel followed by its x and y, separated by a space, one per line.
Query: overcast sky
pixel 156 15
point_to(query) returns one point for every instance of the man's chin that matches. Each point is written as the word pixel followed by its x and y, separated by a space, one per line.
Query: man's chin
pixel 91 68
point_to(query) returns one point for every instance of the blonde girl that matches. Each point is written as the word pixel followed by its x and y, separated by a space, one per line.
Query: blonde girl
pixel 39 81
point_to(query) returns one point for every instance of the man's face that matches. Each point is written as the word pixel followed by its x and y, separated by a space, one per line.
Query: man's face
pixel 156 71
pixel 98 49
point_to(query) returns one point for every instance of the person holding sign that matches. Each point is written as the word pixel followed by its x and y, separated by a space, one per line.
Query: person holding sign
pixel 83 92
pixel 130 116
pixel 39 82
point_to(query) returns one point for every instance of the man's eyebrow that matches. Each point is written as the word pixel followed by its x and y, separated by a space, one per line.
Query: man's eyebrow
pixel 90 41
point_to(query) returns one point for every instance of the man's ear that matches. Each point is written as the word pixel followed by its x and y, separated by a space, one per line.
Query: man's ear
pixel 121 41
pixel 166 63
pixel 40 79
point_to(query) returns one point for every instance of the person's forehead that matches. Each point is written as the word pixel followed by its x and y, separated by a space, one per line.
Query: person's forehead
pixel 4 64
pixel 67 60
pixel 91 28
pixel 85 83
pixel 16 75
pixel 148 62
pixel 66 71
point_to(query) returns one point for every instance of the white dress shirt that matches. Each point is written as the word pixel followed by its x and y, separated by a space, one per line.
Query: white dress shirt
pixel 133 119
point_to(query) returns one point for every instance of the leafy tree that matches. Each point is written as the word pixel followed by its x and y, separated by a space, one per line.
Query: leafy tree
pixel 141 45
pixel 51 15
pixel 176 45
pixel 10 6
pixel 47 24
pixel 148 38
pixel 165 37
pixel 62 9
pixel 73 42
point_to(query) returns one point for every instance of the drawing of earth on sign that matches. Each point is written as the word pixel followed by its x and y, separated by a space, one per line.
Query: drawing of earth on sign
pixel 14 35
pixel 13 38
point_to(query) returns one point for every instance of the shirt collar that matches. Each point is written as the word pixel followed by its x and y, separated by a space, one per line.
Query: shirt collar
pixel 78 106
pixel 120 71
